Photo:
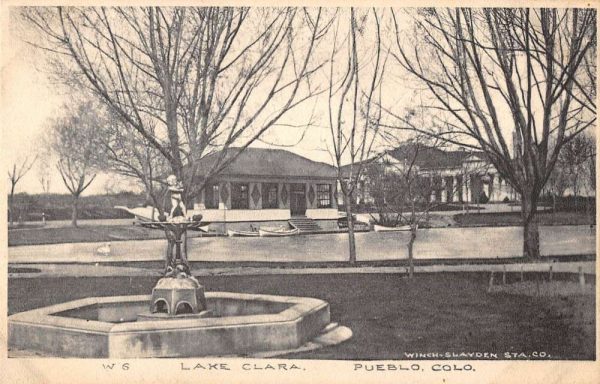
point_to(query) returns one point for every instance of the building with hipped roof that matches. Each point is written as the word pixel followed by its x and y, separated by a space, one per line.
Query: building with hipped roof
pixel 456 175
pixel 266 186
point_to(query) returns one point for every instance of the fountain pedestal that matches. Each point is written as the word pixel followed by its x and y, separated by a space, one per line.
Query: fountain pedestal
pixel 178 294
pixel 177 297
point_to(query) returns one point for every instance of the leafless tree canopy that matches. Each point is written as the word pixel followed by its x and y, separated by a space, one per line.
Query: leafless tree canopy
pixel 15 174
pixel 188 80
pixel 128 153
pixel 573 162
pixel 18 170
pixel 536 66
pixel 77 146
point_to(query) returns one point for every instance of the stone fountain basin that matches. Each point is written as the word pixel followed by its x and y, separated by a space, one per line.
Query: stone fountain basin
pixel 101 327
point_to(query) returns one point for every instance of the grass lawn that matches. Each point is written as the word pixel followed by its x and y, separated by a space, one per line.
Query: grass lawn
pixel 389 315
pixel 514 218
pixel 84 233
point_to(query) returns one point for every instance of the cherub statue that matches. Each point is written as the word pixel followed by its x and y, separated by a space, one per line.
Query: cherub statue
pixel 177 206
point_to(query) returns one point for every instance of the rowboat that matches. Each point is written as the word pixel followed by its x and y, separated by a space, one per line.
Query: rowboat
pixel 381 228
pixel 233 233
pixel 277 232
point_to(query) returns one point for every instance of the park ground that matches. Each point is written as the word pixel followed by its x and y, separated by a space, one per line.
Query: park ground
pixel 447 308
pixel 390 316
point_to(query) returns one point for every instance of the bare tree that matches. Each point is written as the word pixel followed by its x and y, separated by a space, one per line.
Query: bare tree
pixel 557 184
pixel 591 167
pixel 19 169
pixel 77 148
pixel 188 80
pixel 573 158
pixel 353 118
pixel 403 189
pixel 44 166
pixel 493 72
pixel 45 178
pixel 128 153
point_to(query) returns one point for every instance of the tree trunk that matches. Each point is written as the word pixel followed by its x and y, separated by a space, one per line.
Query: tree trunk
pixel 74 210
pixel 351 240
pixel 11 208
pixel 411 242
pixel 174 145
pixel 531 233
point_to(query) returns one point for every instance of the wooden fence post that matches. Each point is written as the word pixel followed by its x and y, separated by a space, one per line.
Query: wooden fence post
pixel 491 281
pixel 522 277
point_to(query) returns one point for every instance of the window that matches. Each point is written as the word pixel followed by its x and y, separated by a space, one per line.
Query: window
pixel 324 195
pixel 239 196
pixel 269 196
pixel 211 196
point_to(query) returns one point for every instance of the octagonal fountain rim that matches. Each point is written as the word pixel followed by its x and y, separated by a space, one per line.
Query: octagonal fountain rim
pixel 52 316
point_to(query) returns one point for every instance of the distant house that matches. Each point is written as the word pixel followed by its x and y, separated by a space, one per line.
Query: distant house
pixel 457 175
pixel 267 185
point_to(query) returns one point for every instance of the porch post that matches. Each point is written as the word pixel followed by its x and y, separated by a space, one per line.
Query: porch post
pixel 468 188
pixel 432 197
pixel 444 191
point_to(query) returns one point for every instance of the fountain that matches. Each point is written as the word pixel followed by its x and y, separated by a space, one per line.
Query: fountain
pixel 179 319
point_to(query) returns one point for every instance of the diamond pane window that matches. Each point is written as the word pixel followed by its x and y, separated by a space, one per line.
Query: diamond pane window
pixel 255 195
pixel 311 195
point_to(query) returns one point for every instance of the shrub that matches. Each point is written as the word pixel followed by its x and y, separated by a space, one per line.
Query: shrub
pixel 58 207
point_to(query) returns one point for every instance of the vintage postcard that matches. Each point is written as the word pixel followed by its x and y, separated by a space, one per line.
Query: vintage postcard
pixel 395 192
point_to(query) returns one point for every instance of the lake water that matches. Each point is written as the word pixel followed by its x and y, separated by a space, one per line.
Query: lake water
pixel 439 243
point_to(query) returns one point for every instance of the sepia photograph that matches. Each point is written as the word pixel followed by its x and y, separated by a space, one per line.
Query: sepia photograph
pixel 377 192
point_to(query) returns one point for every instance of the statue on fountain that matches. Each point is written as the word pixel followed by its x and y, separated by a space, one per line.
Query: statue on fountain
pixel 178 210
pixel 178 292
pixel 175 226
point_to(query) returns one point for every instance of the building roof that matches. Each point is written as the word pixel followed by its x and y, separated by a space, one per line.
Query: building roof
pixel 365 164
pixel 430 157
pixel 269 163
pixel 426 158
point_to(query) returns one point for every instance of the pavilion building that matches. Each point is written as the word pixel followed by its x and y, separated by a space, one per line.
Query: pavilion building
pixel 266 187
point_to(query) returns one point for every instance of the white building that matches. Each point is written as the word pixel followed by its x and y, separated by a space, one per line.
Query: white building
pixel 456 176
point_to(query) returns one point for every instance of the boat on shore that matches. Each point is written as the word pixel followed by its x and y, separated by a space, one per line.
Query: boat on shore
pixel 381 228
pixel 277 232
pixel 232 233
